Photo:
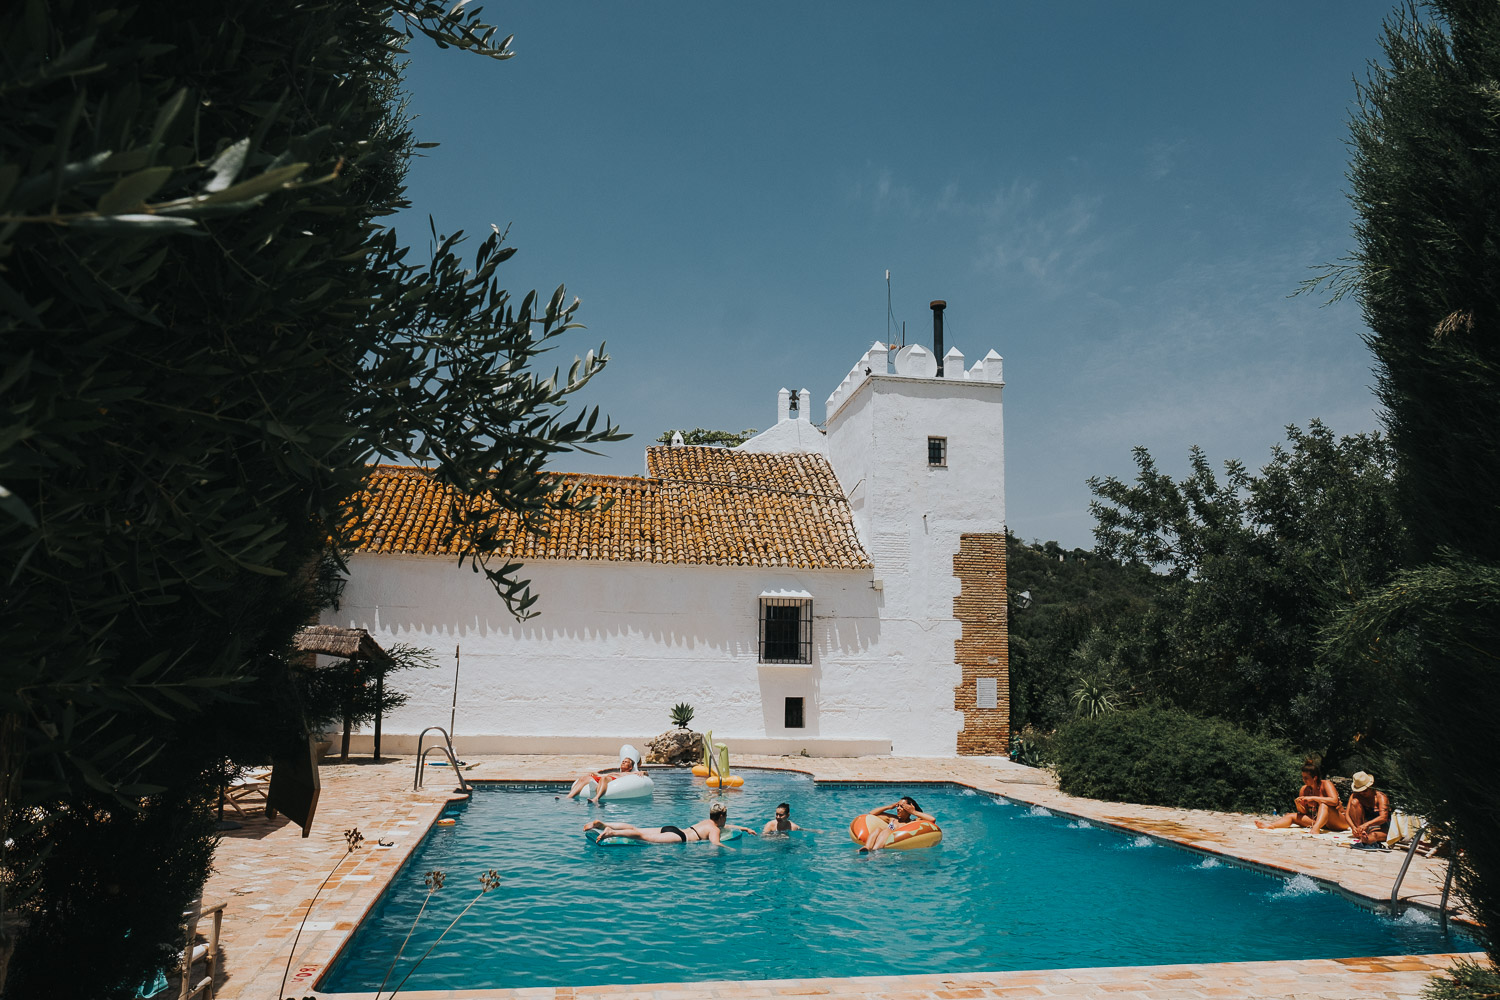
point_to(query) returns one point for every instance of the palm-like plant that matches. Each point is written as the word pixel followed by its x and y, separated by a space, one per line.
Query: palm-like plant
pixel 682 714
pixel 1092 697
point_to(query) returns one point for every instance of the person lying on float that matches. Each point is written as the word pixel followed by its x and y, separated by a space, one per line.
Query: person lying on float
pixel 714 829
pixel 904 810
pixel 630 763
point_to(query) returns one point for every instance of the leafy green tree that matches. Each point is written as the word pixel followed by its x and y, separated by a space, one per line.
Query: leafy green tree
pixel 1063 628
pixel 1258 564
pixel 1425 179
pixel 724 439
pixel 206 332
pixel 351 693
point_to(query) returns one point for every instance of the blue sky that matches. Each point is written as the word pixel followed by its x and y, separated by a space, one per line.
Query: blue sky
pixel 1119 198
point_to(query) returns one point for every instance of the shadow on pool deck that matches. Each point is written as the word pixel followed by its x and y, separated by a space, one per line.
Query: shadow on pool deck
pixel 268 875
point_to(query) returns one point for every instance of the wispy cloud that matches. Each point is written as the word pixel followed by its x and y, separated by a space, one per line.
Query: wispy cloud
pixel 1016 229
pixel 1161 158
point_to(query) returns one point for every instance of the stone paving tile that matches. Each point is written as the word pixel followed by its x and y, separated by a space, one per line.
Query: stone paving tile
pixel 268 874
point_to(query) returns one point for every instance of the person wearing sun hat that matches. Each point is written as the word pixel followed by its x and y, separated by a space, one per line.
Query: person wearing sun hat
pixel 1369 810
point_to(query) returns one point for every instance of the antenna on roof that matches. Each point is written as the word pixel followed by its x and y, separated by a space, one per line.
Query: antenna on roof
pixel 890 314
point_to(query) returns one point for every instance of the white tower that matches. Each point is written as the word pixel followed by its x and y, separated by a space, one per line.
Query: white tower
pixel 921 456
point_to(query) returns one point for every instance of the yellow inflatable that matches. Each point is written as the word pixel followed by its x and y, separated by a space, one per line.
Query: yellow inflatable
pixel 716 771
pixel 704 769
pixel 906 836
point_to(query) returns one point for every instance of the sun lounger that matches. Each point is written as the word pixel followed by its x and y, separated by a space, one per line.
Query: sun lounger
pixel 249 789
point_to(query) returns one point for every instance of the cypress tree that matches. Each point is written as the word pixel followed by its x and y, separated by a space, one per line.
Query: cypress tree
pixel 1425 180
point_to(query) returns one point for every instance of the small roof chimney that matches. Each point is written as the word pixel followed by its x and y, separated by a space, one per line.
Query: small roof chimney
pixel 938 305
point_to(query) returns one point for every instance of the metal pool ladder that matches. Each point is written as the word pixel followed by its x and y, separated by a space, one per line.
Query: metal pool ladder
pixel 1411 852
pixel 447 748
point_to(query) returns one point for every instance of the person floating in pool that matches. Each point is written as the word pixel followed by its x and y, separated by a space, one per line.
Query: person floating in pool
pixel 903 810
pixel 710 829
pixel 1316 807
pixel 781 824
pixel 630 763
pixel 1369 810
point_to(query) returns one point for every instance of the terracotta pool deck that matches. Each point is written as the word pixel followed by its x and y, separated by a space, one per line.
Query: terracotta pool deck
pixel 268 874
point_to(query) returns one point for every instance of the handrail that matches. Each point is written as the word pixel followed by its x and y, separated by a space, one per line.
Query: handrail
pixel 1411 852
pixel 447 748
pixel 1447 884
pixel 1416 841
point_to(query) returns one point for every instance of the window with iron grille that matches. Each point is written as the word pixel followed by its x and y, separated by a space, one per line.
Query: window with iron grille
pixel 794 713
pixel 785 630
pixel 937 451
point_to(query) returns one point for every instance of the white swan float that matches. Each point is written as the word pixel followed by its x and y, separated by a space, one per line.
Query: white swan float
pixel 635 784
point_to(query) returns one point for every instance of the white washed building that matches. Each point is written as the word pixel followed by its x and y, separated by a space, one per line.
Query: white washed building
pixel 841 593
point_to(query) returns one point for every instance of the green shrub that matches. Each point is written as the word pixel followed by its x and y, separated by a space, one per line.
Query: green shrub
pixel 1466 980
pixel 1031 748
pixel 1168 757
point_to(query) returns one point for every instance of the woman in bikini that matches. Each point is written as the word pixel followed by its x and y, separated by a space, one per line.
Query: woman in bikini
pixel 902 811
pixel 709 829
pixel 630 763
pixel 1317 805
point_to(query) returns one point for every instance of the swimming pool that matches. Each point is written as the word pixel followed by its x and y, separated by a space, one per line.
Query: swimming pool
pixel 1010 887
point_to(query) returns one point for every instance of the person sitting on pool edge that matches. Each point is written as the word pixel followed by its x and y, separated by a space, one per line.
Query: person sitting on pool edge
pixel 708 829
pixel 903 810
pixel 630 763
pixel 1369 810
pixel 1316 806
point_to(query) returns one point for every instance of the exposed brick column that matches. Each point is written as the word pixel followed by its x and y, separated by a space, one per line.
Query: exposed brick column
pixel 983 646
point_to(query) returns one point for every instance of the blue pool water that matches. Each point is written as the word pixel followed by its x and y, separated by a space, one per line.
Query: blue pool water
pixel 1010 887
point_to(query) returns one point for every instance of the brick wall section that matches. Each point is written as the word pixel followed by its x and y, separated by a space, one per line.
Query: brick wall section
pixel 983 646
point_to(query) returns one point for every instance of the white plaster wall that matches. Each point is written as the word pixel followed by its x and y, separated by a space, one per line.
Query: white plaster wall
pixel 618 644
pixel 910 515
pixel 788 436
pixel 851 444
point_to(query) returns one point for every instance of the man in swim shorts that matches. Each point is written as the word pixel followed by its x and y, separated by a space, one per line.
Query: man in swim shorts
pixel 903 810
pixel 630 763
pixel 1369 810
pixel 708 829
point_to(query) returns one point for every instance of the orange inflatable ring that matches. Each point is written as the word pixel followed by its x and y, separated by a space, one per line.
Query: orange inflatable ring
pixel 906 836
pixel 446 822
pixel 733 781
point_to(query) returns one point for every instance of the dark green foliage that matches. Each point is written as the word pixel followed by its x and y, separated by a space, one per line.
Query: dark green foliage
pixel 346 694
pixel 682 714
pixel 120 880
pixel 205 334
pixel 1077 600
pixel 1425 180
pixel 724 439
pixel 1464 980
pixel 1258 566
pixel 1168 757
pixel 1031 747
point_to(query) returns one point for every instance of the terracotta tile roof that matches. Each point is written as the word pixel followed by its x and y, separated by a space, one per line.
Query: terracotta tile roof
pixel 703 506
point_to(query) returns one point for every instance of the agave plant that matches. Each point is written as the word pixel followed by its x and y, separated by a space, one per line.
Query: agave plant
pixel 682 714
pixel 1092 697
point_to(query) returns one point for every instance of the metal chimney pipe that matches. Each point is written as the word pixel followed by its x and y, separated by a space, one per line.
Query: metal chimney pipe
pixel 938 305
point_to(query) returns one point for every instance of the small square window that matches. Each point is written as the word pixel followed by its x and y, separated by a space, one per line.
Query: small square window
pixel 937 451
pixel 794 713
